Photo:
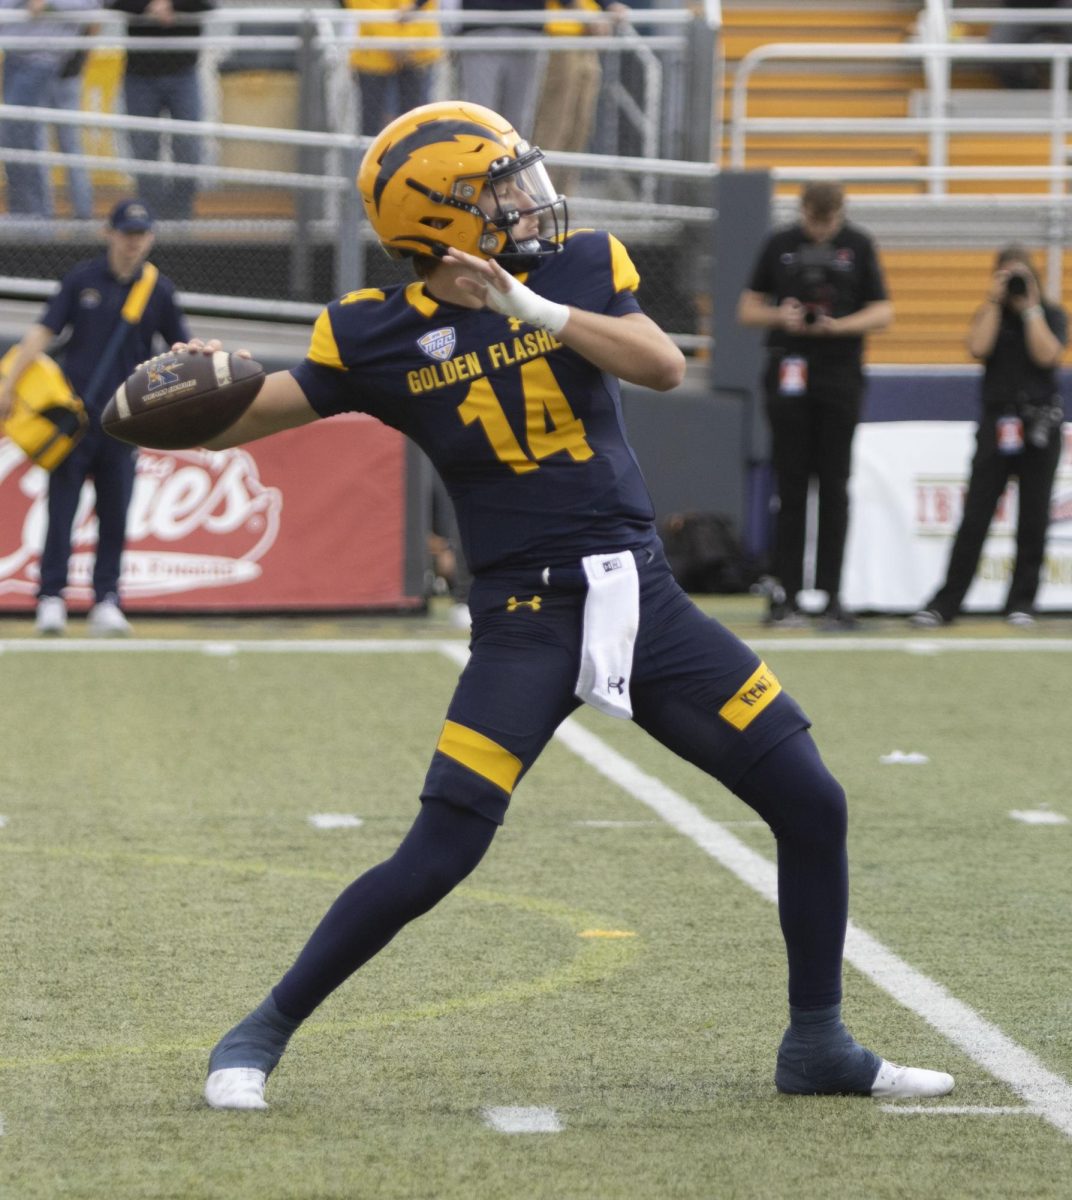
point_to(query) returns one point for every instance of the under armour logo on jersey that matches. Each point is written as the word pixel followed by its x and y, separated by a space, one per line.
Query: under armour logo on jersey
pixel 513 604
pixel 616 683
pixel 515 324
pixel 439 343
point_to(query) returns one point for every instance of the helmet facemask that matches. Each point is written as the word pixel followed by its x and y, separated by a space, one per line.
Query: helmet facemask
pixel 515 189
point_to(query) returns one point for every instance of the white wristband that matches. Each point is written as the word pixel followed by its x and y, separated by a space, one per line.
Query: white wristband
pixel 1030 312
pixel 524 304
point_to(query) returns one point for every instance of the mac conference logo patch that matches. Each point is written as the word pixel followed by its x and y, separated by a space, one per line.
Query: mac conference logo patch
pixel 439 343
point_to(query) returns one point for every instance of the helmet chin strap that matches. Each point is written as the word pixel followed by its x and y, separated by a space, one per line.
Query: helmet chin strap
pixel 523 256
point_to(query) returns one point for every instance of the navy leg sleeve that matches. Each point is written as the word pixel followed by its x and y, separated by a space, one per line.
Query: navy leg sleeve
pixel 804 805
pixel 443 846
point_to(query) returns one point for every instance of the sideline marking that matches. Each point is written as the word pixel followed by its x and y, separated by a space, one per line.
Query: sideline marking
pixel 1044 1090
pixel 213 646
pixel 981 1041
pixel 960 1110
pixel 3 822
pixel 1038 816
pixel 515 1119
pixel 335 821
pixel 911 757
pixel 616 824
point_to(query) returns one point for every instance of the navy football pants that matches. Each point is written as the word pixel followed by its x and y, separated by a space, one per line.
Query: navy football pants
pixel 514 692
pixel 110 464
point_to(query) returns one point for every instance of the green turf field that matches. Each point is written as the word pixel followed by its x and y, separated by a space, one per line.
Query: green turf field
pixel 158 871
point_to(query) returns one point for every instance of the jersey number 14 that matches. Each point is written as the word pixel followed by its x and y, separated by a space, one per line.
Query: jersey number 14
pixel 550 425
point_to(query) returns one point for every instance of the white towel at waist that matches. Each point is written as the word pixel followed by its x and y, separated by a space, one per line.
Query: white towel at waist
pixel 611 618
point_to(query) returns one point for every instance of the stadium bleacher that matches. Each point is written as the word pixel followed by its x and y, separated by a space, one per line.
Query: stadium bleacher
pixel 935 282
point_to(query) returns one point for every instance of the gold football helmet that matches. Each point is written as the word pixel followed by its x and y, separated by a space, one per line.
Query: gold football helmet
pixel 449 175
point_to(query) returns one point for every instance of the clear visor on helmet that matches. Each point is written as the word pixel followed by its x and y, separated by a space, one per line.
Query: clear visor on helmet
pixel 520 188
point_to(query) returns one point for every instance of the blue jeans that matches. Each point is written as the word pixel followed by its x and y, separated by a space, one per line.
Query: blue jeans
pixel 27 81
pixel 384 97
pixel 67 93
pixel 177 95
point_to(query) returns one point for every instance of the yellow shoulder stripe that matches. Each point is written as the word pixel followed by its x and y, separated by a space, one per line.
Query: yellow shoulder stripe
pixel 363 294
pixel 480 754
pixel 323 348
pixel 626 278
pixel 419 299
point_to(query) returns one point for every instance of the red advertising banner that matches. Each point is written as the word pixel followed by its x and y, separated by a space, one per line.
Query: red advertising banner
pixel 313 518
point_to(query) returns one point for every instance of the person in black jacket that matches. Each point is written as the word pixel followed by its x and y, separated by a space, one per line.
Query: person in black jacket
pixel 817 289
pixel 1020 336
pixel 159 82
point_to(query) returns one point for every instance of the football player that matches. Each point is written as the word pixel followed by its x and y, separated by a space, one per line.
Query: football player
pixel 502 361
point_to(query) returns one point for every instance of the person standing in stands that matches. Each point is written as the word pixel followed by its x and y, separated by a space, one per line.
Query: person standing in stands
pixel 30 77
pixel 116 306
pixel 818 290
pixel 159 82
pixel 504 80
pixel 391 82
pixel 566 114
pixel 67 93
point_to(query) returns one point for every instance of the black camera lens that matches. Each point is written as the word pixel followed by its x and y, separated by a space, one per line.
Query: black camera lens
pixel 1017 286
pixel 810 316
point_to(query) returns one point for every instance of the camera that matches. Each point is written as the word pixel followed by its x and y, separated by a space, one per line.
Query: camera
pixel 1040 420
pixel 813 282
pixel 812 313
pixel 1016 285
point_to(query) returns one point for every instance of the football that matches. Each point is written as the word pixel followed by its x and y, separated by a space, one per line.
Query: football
pixel 182 398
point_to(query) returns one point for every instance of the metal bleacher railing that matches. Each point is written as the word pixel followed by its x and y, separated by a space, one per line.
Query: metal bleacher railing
pixel 937 214
pixel 279 241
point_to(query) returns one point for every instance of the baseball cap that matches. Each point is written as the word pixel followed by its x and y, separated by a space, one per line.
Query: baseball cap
pixel 130 216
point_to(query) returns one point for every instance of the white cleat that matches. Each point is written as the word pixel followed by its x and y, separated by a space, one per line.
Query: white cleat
pixel 237 1087
pixel 106 619
pixel 51 617
pixel 903 1083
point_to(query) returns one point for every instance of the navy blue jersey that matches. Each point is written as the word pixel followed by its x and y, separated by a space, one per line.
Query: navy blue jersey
pixel 90 300
pixel 526 434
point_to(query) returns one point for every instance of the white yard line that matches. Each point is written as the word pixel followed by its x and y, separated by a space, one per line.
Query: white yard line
pixel 216 647
pixel 335 821
pixel 515 1119
pixel 226 647
pixel 958 1110
pixel 1046 1092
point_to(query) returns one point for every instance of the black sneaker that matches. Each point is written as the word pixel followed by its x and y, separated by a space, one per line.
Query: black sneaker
pixel 928 618
pixel 838 620
pixel 782 615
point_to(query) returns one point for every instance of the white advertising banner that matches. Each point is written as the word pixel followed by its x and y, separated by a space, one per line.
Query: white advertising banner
pixel 907 492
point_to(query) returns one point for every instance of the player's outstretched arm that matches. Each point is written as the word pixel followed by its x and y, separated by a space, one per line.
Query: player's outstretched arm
pixel 632 347
pixel 280 404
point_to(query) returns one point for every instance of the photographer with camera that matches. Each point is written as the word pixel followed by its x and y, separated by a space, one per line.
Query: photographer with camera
pixel 1020 335
pixel 817 289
